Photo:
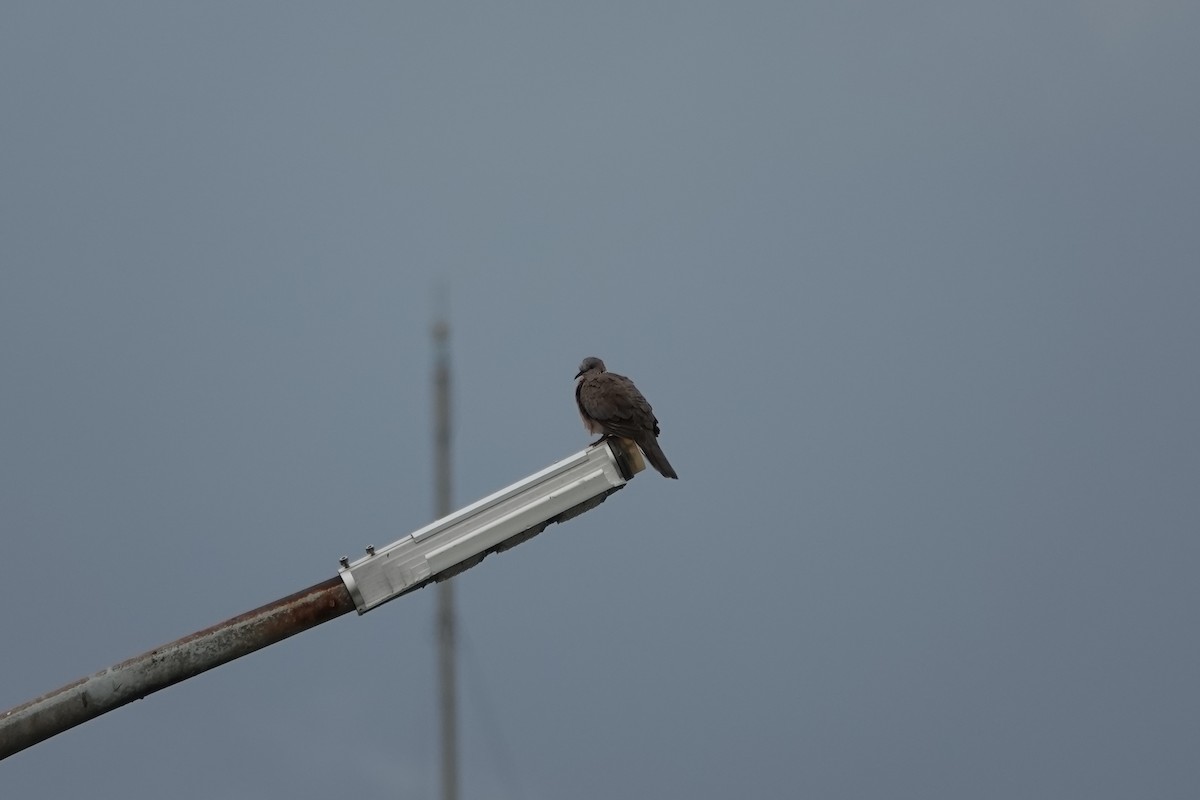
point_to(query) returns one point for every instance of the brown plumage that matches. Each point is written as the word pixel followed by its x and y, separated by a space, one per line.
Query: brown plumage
pixel 612 406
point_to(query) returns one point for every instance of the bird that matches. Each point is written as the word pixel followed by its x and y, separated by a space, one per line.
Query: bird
pixel 612 406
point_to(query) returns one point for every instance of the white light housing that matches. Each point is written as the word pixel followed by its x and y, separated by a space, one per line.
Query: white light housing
pixel 447 546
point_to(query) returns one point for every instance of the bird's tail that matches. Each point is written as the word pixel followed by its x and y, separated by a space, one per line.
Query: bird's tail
pixel 656 457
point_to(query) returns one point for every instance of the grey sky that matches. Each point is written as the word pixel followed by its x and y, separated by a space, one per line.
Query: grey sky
pixel 912 288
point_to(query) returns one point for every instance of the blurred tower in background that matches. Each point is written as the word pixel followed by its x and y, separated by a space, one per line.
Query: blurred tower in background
pixel 445 589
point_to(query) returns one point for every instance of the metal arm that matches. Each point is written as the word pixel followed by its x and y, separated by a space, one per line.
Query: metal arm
pixel 440 550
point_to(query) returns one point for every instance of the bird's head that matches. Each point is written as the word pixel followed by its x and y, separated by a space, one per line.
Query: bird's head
pixel 590 364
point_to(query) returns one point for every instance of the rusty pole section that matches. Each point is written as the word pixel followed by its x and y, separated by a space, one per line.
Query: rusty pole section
pixel 87 698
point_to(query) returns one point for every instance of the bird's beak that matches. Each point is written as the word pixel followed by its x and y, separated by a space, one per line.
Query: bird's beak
pixel 577 374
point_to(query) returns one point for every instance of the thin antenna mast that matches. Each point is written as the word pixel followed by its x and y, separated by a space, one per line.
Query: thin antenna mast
pixel 445 589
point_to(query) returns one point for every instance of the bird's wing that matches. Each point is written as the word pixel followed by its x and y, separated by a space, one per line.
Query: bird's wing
pixel 614 402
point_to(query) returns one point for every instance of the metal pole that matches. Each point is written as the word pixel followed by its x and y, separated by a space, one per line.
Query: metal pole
pixel 87 698
pixel 557 493
pixel 445 590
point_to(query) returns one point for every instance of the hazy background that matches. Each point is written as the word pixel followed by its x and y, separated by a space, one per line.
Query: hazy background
pixel 912 287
